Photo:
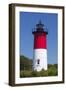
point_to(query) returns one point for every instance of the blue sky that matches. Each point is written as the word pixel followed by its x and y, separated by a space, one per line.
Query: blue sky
pixel 28 21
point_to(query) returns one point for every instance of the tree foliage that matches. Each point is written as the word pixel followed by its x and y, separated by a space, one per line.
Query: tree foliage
pixel 25 63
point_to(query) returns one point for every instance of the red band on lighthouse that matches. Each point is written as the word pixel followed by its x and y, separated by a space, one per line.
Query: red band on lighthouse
pixel 40 40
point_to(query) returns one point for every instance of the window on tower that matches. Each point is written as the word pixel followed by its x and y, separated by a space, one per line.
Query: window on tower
pixel 38 61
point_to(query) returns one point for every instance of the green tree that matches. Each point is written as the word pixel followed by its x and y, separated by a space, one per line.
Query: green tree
pixel 25 63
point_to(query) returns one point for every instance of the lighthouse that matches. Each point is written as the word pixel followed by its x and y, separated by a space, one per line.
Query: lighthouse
pixel 40 47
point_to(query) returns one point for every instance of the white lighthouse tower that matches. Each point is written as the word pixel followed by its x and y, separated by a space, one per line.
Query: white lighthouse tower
pixel 40 48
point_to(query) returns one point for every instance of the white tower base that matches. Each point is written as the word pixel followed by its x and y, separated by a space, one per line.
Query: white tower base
pixel 40 59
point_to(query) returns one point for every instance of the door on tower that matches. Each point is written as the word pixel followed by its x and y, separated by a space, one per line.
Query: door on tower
pixel 38 62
